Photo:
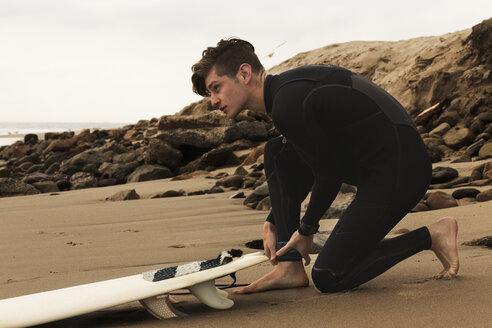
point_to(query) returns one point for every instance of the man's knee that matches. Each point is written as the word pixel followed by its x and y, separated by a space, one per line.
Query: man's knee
pixel 326 281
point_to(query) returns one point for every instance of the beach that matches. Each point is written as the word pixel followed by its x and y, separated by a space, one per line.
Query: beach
pixel 51 241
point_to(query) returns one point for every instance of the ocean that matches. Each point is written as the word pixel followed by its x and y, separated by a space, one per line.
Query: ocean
pixel 10 131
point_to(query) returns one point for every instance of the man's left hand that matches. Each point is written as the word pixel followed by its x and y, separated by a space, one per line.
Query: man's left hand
pixel 303 244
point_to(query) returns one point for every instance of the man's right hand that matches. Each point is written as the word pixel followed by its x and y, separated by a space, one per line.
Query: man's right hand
pixel 270 241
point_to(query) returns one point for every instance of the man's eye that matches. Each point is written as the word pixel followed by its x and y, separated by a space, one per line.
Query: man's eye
pixel 216 88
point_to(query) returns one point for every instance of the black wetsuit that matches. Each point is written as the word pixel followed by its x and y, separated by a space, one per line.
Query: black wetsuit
pixel 339 127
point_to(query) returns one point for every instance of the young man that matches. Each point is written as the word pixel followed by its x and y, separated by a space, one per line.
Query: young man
pixel 337 127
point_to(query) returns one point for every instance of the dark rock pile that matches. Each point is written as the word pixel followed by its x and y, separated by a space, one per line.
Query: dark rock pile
pixel 156 149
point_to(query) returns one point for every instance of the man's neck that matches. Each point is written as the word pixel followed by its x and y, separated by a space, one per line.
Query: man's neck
pixel 257 97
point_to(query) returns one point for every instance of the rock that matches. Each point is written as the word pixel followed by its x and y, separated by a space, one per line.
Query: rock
pixel 477 126
pixel 129 194
pixel 254 155
pixel 246 130
pixel 63 184
pixel 484 241
pixel 238 194
pixel 450 184
pixel 420 207
pixel 458 137
pixel 223 155
pixel 33 158
pixel 336 211
pixel 77 163
pixel 484 196
pixel 440 130
pixel 206 121
pixel 462 159
pixel 484 136
pixel 257 195
pixel 201 107
pixel 12 187
pixel 25 166
pixel 443 174
pixel 465 192
pixel 132 135
pixel 149 172
pixel 195 193
pixel 473 149
pixel 485 117
pixel 264 204
pixel 486 150
pixel 241 171
pixel 36 177
pixel 35 168
pixel 118 171
pixel 439 199
pixel 61 145
pixel 125 157
pixel 82 180
pixel 46 186
pixel 319 240
pixel 31 139
pixel 487 171
pixel 169 193
pixel 248 183
pixel 215 190
pixel 5 172
pixel 232 181
pixel 55 167
pixel 160 152
pixel 58 135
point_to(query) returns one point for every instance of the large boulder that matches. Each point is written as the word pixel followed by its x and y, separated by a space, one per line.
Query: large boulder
pixel 443 174
pixel 486 150
pixel 12 187
pixel 439 199
pixel 458 137
pixel 82 180
pixel 149 172
pixel 118 171
pixel 160 152
pixel 60 145
pixel 77 163
pixel 46 186
pixel 247 130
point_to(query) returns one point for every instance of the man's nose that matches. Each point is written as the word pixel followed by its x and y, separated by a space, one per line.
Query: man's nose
pixel 215 101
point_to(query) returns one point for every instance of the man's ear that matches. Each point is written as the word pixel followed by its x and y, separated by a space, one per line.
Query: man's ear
pixel 245 73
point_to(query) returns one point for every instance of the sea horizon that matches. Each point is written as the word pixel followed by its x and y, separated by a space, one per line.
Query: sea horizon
pixel 11 132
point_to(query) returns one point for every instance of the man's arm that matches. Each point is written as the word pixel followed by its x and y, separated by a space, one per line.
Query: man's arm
pixel 322 196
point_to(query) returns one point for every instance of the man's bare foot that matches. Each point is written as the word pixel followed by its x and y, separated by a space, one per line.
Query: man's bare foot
pixel 443 234
pixel 284 275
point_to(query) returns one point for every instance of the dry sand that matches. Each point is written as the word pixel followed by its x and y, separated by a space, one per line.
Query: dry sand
pixel 76 237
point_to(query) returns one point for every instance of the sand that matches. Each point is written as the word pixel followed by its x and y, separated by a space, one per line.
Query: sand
pixel 76 237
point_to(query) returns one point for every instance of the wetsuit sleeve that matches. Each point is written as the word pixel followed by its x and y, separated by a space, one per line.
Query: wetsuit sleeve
pixel 322 195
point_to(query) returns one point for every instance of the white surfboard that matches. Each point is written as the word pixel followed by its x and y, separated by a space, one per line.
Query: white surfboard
pixel 64 303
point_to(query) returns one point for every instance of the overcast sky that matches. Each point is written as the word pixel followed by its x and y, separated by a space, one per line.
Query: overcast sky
pixel 125 60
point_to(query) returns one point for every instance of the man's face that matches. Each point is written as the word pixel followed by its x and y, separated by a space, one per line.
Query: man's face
pixel 227 94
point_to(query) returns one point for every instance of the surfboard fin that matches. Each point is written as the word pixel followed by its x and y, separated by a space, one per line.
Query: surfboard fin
pixel 161 307
pixel 209 295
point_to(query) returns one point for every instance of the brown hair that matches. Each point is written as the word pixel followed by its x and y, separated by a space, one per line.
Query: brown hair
pixel 227 57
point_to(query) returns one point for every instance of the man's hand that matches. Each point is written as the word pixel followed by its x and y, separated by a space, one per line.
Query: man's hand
pixel 270 241
pixel 303 244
